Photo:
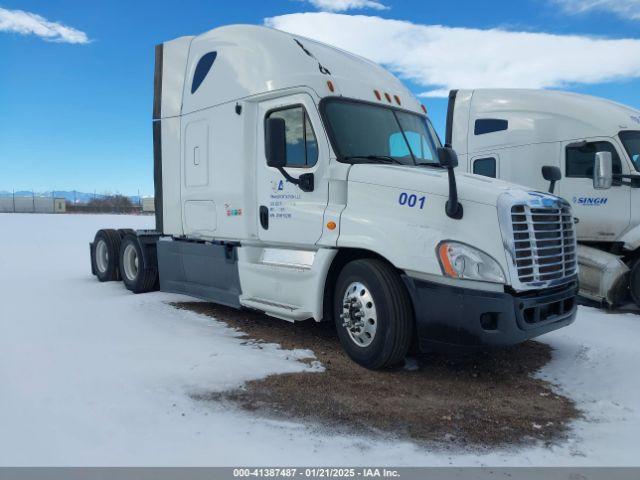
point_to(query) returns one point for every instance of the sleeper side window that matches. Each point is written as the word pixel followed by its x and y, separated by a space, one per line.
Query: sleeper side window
pixel 483 126
pixel 485 166
pixel 302 146
pixel 202 68
pixel 580 158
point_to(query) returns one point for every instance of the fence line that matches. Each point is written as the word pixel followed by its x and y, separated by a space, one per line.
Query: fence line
pixel 34 202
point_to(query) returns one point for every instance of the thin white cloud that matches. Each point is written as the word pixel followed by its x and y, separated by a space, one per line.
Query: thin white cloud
pixel 441 58
pixel 623 8
pixel 27 23
pixel 344 5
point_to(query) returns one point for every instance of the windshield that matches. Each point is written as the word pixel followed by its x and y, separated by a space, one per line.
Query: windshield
pixel 631 142
pixel 364 132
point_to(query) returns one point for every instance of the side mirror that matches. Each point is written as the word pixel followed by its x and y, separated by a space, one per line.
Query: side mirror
pixel 276 153
pixel 447 157
pixel 275 143
pixel 602 171
pixel 551 174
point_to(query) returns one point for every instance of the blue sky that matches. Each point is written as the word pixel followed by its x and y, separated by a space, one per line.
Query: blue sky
pixel 78 115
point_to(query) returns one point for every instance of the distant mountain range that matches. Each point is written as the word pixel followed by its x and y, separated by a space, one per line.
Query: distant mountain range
pixel 71 196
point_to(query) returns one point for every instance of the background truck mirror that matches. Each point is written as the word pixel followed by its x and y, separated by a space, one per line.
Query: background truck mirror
pixel 275 143
pixel 551 174
pixel 602 171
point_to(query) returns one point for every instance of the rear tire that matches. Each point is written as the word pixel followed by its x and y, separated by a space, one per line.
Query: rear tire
pixel 137 274
pixel 373 314
pixel 634 282
pixel 106 250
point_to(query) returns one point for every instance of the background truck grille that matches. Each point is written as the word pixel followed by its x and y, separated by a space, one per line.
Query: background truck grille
pixel 545 243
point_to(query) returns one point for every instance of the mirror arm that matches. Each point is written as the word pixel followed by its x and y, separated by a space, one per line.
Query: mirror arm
pixel 305 182
pixel 618 180
pixel 453 207
pixel 449 160
pixel 621 183
pixel 288 177
pixel 631 176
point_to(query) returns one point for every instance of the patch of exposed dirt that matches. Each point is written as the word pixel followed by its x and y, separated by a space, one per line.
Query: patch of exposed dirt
pixel 480 400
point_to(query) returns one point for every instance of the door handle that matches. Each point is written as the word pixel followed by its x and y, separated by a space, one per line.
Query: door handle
pixel 264 217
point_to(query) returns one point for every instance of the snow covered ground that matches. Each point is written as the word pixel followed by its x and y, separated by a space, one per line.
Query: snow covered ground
pixel 93 375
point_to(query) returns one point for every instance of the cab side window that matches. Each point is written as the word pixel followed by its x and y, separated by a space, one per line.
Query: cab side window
pixel 580 158
pixel 485 167
pixel 302 146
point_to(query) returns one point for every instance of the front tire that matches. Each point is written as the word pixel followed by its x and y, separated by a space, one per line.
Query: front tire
pixel 137 273
pixel 373 313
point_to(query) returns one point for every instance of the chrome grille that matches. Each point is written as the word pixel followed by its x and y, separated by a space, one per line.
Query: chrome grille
pixel 544 243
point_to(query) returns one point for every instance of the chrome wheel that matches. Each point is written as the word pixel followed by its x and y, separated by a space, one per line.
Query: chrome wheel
pixel 102 256
pixel 359 315
pixel 130 262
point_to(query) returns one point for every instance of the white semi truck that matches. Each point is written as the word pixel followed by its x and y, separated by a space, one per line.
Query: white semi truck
pixel 304 182
pixel 588 147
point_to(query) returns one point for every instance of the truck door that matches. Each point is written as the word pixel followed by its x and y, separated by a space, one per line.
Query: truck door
pixel 602 214
pixel 287 215
pixel 198 208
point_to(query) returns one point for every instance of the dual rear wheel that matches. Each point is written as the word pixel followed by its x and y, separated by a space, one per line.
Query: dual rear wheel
pixel 120 255
pixel 106 249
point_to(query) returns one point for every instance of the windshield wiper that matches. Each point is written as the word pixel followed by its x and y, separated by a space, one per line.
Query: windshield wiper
pixel 429 164
pixel 373 158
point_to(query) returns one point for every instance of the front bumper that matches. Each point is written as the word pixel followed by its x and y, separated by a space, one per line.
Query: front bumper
pixel 453 318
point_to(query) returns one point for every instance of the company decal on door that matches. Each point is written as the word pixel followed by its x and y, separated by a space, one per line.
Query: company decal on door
pixel 590 201
pixel 280 201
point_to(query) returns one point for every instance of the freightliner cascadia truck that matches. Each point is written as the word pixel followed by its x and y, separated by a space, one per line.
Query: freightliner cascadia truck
pixel 587 146
pixel 301 181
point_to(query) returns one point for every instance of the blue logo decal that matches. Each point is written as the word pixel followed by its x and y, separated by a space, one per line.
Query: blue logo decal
pixel 590 201
pixel 635 118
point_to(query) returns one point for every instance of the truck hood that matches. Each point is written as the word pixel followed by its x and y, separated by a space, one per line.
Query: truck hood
pixel 433 181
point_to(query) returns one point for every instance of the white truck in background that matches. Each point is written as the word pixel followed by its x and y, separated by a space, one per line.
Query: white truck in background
pixel 589 149
pixel 304 182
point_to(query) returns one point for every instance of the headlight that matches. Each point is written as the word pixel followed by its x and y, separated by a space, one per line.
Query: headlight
pixel 458 260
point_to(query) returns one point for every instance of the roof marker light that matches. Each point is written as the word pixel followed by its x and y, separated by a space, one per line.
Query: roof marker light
pixel 424 109
pixel 377 93
pixel 397 98
pixel 330 85
pixel 387 96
